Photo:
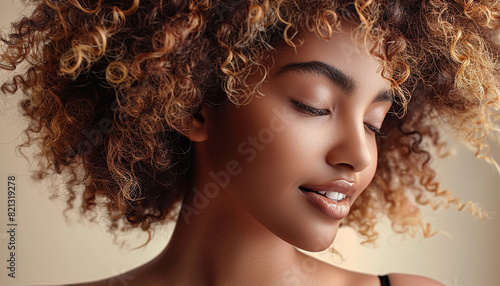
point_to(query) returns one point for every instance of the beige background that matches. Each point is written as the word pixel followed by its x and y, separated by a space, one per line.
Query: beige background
pixel 53 251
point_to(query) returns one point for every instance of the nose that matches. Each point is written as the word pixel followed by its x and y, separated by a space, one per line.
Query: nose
pixel 350 147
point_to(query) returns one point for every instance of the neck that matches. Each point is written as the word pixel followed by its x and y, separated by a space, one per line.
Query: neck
pixel 219 243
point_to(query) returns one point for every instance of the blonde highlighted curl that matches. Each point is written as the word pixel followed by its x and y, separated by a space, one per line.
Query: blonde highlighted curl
pixel 109 84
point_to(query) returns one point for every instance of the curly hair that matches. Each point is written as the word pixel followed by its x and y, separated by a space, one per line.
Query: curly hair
pixel 108 85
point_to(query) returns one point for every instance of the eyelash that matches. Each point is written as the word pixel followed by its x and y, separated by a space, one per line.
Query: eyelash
pixel 376 130
pixel 322 112
pixel 310 110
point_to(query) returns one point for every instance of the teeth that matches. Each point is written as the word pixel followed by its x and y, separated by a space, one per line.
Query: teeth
pixel 335 196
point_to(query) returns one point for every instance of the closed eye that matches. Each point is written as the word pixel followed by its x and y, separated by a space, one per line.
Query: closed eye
pixel 310 110
pixel 376 130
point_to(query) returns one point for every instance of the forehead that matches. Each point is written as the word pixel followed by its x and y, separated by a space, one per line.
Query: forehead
pixel 342 51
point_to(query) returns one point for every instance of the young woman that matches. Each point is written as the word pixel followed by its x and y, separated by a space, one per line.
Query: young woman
pixel 268 123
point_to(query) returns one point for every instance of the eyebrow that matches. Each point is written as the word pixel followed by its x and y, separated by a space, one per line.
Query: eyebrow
pixel 335 75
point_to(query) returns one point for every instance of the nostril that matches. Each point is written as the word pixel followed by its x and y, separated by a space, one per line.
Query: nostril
pixel 346 166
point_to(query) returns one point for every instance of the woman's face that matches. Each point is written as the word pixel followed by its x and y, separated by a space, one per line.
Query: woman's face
pixel 312 131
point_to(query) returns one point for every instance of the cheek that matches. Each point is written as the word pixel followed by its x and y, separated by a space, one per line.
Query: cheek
pixel 270 150
pixel 257 136
pixel 269 156
pixel 232 137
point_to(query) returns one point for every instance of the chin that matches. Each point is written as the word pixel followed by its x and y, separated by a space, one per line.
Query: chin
pixel 318 247
pixel 315 241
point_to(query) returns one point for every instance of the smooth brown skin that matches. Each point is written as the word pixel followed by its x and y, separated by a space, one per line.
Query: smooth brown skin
pixel 246 233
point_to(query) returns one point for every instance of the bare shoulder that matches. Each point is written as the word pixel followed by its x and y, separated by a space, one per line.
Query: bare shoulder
pixel 145 274
pixel 411 280
pixel 355 278
pixel 130 278
pixel 329 274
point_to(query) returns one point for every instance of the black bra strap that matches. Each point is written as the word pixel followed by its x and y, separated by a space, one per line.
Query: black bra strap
pixel 384 280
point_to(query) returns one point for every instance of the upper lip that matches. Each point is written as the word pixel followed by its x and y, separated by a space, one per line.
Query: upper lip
pixel 347 187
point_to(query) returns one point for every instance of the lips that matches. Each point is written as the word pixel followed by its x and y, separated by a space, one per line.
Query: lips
pixel 332 195
pixel 332 198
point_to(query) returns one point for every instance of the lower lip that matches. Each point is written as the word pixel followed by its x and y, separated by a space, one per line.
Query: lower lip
pixel 334 209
